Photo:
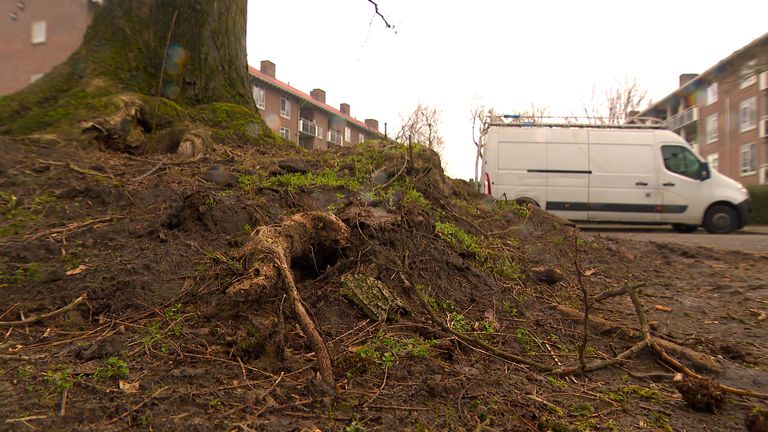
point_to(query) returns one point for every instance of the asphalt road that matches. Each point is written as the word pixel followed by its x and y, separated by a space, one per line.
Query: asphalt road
pixel 750 239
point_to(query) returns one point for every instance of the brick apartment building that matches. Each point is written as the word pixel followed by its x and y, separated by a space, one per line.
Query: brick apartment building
pixel 723 113
pixel 37 35
pixel 305 118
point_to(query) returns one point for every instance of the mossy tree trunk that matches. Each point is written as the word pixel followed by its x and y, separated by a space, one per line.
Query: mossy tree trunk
pixel 191 52
pixel 196 46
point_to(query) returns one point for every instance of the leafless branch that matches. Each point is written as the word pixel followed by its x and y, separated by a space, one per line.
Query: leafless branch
pixel 376 9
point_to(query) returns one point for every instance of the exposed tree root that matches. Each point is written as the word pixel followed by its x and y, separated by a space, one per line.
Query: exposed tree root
pixel 266 259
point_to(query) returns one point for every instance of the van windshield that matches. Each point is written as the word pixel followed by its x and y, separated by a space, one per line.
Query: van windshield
pixel 681 160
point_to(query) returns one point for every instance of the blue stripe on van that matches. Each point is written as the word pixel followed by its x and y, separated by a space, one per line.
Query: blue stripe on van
pixel 614 207
pixel 560 171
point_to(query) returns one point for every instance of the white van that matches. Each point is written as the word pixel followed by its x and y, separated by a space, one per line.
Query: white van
pixel 618 174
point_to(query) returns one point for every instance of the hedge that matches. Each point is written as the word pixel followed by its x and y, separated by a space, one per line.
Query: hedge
pixel 759 195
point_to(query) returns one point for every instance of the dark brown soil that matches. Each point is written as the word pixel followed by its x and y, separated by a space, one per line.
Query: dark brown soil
pixel 159 345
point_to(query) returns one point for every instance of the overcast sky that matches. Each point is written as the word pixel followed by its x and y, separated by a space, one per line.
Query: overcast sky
pixel 453 55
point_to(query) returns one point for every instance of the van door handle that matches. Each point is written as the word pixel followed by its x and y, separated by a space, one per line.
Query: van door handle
pixel 641 183
pixel 668 184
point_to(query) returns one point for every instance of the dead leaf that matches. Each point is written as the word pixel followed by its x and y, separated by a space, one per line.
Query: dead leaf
pixel 589 272
pixel 129 387
pixel 77 270
pixel 661 308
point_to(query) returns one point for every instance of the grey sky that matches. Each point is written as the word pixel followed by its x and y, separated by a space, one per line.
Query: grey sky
pixel 503 54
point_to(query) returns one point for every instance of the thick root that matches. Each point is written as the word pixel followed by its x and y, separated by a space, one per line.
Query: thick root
pixel 267 258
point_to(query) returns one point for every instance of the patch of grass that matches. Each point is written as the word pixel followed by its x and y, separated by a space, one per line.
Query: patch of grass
pixel 613 396
pixel 508 309
pixel 355 426
pixel 384 351
pixel 459 239
pixel 661 422
pixel 114 368
pixel 23 372
pixel 582 409
pixel 557 383
pixel 646 393
pixel 296 181
pixel 58 381
pixel 514 207
pixel 524 339
pixel 16 217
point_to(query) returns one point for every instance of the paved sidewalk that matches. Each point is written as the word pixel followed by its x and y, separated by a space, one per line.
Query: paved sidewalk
pixel 754 229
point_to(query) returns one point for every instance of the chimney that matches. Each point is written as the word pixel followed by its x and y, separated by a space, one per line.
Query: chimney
pixel 318 95
pixel 372 124
pixel 685 78
pixel 268 68
pixel 344 108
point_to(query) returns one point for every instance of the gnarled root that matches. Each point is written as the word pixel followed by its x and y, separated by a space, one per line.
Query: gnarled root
pixel 266 259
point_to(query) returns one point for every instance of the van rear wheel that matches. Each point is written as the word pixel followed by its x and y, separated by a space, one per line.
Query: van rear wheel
pixel 685 229
pixel 721 219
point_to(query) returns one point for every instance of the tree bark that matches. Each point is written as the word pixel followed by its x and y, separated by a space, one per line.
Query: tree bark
pixel 192 51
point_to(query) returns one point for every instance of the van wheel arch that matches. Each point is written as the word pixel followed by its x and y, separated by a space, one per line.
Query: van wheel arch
pixel 721 217
pixel 524 201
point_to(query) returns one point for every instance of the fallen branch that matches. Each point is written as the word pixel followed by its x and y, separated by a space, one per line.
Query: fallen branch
pixel 584 299
pixel 33 319
pixel 70 227
pixel 150 172
pixel 656 343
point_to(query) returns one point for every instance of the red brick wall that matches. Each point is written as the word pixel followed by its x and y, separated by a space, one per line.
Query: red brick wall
pixel 66 22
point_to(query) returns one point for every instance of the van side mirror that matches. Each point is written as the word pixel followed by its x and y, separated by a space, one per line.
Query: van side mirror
pixel 705 173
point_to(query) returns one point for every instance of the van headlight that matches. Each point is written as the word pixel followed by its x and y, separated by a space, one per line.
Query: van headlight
pixel 741 187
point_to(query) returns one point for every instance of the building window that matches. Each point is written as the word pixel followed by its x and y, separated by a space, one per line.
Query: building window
pixel 747 114
pixel 360 138
pixel 347 134
pixel 38 32
pixel 712 94
pixel 285 133
pixel 259 97
pixel 712 132
pixel 334 137
pixel 748 162
pixel 714 161
pixel 285 108
pixel 748 75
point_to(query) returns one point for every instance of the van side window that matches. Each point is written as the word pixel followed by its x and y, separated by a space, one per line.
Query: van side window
pixel 680 160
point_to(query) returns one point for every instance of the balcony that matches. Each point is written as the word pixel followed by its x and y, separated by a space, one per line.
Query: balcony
pixel 680 120
pixel 334 137
pixel 310 128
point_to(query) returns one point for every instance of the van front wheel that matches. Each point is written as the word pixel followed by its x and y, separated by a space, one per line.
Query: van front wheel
pixel 721 219
pixel 684 229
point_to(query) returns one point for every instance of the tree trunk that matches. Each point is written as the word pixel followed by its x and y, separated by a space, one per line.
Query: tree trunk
pixel 190 51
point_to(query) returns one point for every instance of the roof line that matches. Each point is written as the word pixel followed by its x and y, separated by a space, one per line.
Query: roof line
pixel 719 64
pixel 300 94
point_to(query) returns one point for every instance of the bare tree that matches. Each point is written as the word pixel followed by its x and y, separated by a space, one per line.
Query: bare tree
pixel 482 119
pixel 618 101
pixel 422 126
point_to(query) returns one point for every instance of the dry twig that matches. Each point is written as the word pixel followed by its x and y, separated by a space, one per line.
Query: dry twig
pixel 33 319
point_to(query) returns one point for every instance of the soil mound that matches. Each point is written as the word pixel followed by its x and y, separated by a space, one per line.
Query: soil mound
pixel 353 289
